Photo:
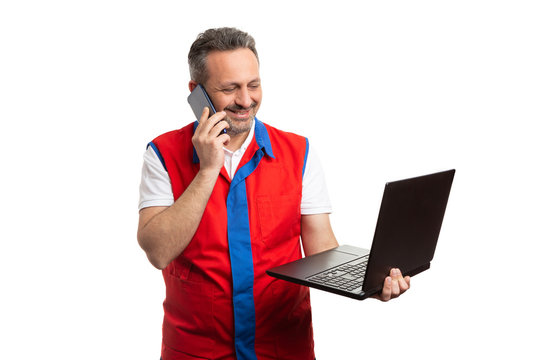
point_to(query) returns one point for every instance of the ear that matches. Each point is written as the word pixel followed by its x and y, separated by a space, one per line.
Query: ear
pixel 192 85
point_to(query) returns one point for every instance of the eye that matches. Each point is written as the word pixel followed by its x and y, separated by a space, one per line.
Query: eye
pixel 254 86
pixel 229 90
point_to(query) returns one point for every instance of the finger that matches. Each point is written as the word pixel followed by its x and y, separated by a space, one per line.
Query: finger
pixel 218 128
pixel 404 283
pixel 202 120
pixel 407 281
pixel 399 285
pixel 386 292
pixel 217 117
pixel 207 123
pixel 204 115
pixel 395 274
pixel 223 139
pixel 226 139
pixel 395 288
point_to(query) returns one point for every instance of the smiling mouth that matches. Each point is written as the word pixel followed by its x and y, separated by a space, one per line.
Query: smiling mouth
pixel 240 113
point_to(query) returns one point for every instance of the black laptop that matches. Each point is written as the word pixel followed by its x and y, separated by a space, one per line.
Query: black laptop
pixel 406 234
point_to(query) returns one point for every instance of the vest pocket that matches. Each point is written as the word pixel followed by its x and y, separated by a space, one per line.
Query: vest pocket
pixel 279 218
pixel 188 325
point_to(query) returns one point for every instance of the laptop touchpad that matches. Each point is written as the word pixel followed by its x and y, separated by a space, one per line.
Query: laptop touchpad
pixel 329 259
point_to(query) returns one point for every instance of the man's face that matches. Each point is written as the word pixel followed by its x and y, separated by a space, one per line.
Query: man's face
pixel 234 85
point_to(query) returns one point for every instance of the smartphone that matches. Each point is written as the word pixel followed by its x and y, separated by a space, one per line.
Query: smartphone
pixel 199 99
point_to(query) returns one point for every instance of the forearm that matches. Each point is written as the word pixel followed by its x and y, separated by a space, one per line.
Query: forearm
pixel 317 234
pixel 164 234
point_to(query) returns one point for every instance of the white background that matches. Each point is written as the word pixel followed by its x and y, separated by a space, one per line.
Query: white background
pixel 384 89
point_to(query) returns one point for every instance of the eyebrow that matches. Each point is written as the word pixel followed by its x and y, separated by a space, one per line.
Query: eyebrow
pixel 234 83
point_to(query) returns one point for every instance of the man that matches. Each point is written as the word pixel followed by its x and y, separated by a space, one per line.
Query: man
pixel 219 209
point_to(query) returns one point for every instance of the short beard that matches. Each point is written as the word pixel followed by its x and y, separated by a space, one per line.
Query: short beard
pixel 233 129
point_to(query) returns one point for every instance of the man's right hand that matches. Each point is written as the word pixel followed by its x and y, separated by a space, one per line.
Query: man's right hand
pixel 209 143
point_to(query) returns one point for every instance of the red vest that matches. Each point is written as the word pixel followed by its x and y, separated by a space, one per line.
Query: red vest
pixel 220 304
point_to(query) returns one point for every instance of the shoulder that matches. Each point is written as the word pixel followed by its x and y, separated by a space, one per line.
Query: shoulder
pixel 275 132
pixel 290 149
pixel 174 146
pixel 284 141
pixel 176 141
pixel 175 135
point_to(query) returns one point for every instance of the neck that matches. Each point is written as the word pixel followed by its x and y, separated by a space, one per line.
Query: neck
pixel 237 141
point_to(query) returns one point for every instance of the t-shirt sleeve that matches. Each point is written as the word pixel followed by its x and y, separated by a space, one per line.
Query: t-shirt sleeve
pixel 315 199
pixel 155 188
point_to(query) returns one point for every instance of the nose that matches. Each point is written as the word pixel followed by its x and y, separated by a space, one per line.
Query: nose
pixel 243 98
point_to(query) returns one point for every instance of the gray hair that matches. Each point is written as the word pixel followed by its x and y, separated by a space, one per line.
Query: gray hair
pixel 221 39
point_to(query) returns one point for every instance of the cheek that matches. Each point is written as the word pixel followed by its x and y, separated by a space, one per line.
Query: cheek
pixel 221 103
pixel 257 97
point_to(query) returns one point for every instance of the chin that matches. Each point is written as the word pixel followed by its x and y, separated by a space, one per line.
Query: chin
pixel 239 126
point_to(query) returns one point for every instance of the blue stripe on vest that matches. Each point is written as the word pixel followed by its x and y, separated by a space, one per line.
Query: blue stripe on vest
pixel 239 237
pixel 305 157
pixel 195 156
pixel 151 144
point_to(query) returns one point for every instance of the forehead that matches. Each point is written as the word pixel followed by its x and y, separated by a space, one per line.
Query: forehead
pixel 238 65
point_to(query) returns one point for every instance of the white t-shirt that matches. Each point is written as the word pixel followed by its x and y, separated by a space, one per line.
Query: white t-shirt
pixel 156 189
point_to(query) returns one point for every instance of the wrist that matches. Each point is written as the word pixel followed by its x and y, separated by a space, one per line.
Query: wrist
pixel 208 173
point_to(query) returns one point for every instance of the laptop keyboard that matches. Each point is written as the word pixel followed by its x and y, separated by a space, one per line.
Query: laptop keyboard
pixel 347 277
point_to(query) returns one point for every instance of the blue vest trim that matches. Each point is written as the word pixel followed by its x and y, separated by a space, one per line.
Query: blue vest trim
pixel 239 238
pixel 151 144
pixel 262 138
pixel 305 157
pixel 195 156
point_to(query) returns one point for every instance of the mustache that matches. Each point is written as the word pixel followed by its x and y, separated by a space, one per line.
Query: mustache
pixel 241 108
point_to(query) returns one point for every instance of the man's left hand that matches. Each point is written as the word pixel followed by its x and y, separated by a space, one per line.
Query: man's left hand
pixel 394 285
